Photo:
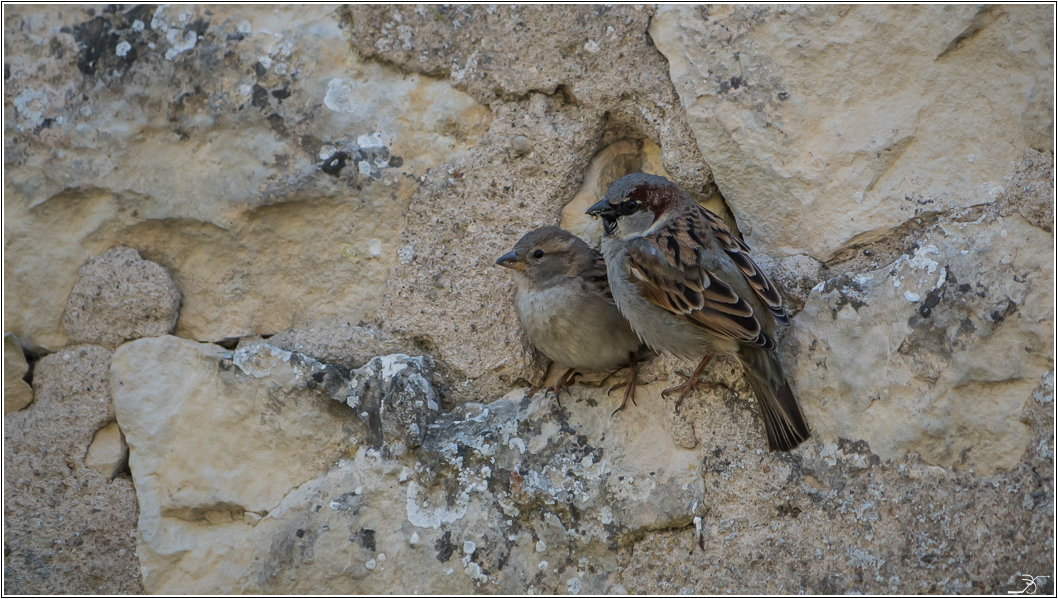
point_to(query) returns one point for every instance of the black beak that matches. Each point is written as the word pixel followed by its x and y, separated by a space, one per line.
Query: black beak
pixel 600 208
pixel 511 260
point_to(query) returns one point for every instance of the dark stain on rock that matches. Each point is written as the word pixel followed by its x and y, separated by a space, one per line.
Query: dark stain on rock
pixel 444 547
pixel 259 69
pixel 999 316
pixel 276 122
pixel 736 82
pixel 260 96
pixel 366 538
pixel 97 42
pixel 281 94
pixel 932 299
pixel 396 161
pixel 334 164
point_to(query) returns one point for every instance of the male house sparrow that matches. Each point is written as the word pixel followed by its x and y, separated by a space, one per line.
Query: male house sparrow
pixel 564 304
pixel 687 286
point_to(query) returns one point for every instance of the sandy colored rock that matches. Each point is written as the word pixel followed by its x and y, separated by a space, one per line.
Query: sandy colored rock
pixel 67 528
pixel 272 168
pixel 119 296
pixel 518 479
pixel 108 454
pixel 17 392
pixel 826 125
pixel 937 353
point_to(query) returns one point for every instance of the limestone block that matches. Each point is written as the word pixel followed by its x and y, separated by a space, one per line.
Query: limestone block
pixel 244 454
pixel 17 392
pixel 108 452
pixel 937 353
pixel 825 125
pixel 119 296
pixel 67 528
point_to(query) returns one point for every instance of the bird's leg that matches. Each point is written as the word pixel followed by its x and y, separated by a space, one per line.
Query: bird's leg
pixel 688 385
pixel 630 386
pixel 563 384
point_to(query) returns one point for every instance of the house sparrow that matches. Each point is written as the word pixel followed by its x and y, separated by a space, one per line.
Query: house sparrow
pixel 687 286
pixel 564 304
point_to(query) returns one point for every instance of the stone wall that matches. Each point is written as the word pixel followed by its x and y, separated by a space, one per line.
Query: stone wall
pixel 255 341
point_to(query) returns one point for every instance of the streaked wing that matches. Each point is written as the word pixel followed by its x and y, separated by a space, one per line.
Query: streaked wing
pixel 738 251
pixel 595 275
pixel 667 272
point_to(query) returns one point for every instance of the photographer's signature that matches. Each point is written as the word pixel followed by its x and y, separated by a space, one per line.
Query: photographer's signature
pixel 1030 583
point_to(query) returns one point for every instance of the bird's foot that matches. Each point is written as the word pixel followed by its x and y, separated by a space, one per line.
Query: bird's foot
pixel 630 393
pixel 690 383
pixel 563 384
pixel 630 385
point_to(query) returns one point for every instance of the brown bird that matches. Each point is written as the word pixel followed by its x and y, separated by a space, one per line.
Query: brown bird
pixel 564 304
pixel 687 286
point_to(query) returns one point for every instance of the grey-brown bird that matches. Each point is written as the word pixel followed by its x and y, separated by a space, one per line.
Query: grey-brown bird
pixel 688 286
pixel 564 303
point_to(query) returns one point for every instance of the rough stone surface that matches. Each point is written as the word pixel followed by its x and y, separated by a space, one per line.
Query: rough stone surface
pixel 17 392
pixel 825 125
pixel 936 353
pixel 109 453
pixel 67 528
pixel 119 296
pixel 330 186
pixel 244 150
pixel 299 497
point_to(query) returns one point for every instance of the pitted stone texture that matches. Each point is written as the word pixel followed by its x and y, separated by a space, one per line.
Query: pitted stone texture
pixel 1030 190
pixel 17 392
pixel 394 396
pixel 246 152
pixel 119 296
pixel 826 125
pixel 67 528
pixel 937 353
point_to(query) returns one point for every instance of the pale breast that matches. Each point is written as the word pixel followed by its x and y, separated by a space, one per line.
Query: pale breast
pixel 575 326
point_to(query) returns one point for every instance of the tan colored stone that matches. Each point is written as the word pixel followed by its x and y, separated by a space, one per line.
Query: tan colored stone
pixel 252 196
pixel 937 353
pixel 108 452
pixel 17 392
pixel 826 125
pixel 119 296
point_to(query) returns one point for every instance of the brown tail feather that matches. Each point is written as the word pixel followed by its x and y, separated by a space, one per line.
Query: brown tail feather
pixel 783 421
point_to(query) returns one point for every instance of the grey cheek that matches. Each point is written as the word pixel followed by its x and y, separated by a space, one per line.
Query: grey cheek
pixel 634 224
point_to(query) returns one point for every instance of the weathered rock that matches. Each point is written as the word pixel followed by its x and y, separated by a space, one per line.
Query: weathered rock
pixel 243 150
pixel 67 528
pixel 17 392
pixel 825 126
pixel 393 395
pixel 937 353
pixel 119 296
pixel 108 454
pixel 239 457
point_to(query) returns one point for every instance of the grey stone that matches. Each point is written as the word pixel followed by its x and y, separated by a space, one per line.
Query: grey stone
pixel 67 528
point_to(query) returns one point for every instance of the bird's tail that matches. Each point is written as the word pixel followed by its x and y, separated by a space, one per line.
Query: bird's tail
pixel 783 421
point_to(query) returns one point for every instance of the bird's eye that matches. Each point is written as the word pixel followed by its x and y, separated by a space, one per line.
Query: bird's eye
pixel 538 254
pixel 630 205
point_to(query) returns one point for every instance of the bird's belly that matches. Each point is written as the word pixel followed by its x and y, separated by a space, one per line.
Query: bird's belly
pixel 576 331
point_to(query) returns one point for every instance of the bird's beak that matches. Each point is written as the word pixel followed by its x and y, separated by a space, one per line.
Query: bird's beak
pixel 511 260
pixel 599 208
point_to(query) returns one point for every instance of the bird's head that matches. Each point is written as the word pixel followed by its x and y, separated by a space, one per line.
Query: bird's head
pixel 635 203
pixel 546 253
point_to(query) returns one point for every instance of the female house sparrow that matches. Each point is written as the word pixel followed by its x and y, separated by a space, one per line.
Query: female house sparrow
pixel 687 286
pixel 565 306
